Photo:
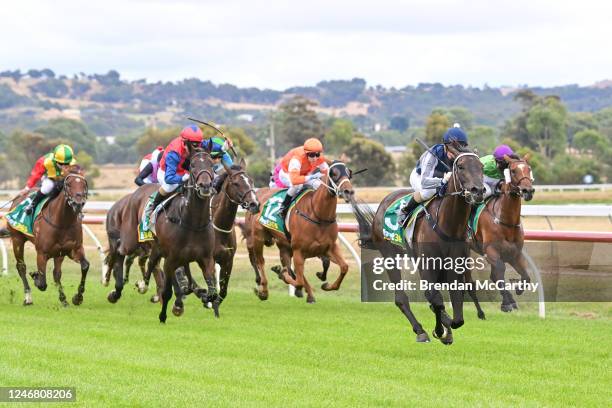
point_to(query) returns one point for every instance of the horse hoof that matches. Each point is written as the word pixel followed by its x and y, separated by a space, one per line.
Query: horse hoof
pixel 154 299
pixel 177 310
pixel 28 303
pixel 260 295
pixel 276 269
pixel 162 318
pixel 325 286
pixel 310 300
pixel 456 325
pixel 506 308
pixel 514 306
pixel 142 288
pixel 77 299
pixel 519 291
pixel 112 297
pixel 299 293
pixel 208 305
pixel 321 276
pixel 481 316
pixel 64 303
pixel 422 338
pixel 105 282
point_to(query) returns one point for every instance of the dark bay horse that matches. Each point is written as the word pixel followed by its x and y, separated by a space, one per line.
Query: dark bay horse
pixel 499 234
pixel 441 235
pixel 119 220
pixel 58 233
pixel 312 223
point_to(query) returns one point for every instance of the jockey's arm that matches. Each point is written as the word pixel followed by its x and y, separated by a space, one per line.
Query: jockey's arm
pixel 172 162
pixel 428 167
pixel 37 172
pixel 294 168
pixel 227 159
pixel 324 166
pixel 144 173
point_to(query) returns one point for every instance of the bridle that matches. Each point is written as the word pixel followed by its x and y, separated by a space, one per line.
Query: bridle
pixel 68 193
pixel 332 186
pixel 240 201
pixel 515 187
pixel 461 191
pixel 193 178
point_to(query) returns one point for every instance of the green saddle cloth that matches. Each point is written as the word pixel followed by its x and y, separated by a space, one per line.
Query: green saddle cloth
pixel 270 215
pixel 22 222
pixel 475 215
pixel 392 230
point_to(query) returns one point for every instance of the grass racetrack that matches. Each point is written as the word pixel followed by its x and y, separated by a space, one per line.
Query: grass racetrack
pixel 338 352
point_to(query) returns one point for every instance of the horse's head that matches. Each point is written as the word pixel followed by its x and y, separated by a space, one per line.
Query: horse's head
pixel 339 180
pixel 466 179
pixel 201 173
pixel 75 187
pixel 518 177
pixel 239 187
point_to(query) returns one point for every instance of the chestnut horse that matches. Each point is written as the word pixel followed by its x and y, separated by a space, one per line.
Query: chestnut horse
pixel 499 234
pixel 312 223
pixel 58 233
pixel 440 234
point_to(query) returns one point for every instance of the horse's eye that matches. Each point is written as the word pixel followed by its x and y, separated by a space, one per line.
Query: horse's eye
pixel 460 166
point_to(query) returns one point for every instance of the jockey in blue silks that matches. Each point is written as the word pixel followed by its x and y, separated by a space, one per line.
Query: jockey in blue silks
pixel 218 148
pixel 430 175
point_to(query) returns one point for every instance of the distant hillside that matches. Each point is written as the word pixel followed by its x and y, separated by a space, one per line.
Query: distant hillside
pixel 111 106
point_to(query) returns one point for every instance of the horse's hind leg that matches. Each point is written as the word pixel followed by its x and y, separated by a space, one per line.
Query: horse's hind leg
pixel 115 294
pixel 129 261
pixel 79 257
pixel 285 257
pixel 442 331
pixel 18 245
pixel 498 271
pixel 57 278
pixel 335 255
pixel 178 308
pixel 40 276
pixel 152 265
pixel 519 263
pixel 259 265
pixel 403 304
pixel 169 268
pixel 208 269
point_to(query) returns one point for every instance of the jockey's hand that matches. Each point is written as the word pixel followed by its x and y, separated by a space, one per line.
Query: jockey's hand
pixel 185 177
pixel 314 176
pixel 25 190
pixel 447 176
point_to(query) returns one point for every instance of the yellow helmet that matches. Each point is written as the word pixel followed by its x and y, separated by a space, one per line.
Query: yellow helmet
pixel 63 154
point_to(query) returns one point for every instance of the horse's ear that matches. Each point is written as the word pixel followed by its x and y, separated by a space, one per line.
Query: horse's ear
pixel 527 157
pixel 242 163
pixel 507 158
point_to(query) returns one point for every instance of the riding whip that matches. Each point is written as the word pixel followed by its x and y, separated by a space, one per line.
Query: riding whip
pixel 422 143
pixel 210 125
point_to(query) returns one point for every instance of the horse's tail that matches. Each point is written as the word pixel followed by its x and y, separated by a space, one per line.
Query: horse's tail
pixel 4 233
pixel 365 218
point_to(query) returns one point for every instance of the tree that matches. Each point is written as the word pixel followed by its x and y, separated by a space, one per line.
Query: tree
pixel 86 162
pixel 362 153
pixel 436 125
pixel 590 141
pixel 546 126
pixel 399 123
pixel 339 136
pixel 153 137
pixel 298 123
pixel 259 169
pixel 406 164
pixel 24 149
pixel 484 138
pixel 72 132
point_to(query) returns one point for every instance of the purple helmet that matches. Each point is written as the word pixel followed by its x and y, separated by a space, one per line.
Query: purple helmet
pixel 502 150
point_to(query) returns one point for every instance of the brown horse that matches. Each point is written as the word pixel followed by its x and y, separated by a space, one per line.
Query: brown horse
pixel 315 232
pixel 118 221
pixel 440 234
pixel 58 233
pixel 499 234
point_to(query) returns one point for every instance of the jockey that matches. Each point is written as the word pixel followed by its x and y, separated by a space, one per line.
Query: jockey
pixel 430 175
pixel 173 166
pixel 298 170
pixel 218 147
pixel 49 169
pixel 148 167
pixel 493 168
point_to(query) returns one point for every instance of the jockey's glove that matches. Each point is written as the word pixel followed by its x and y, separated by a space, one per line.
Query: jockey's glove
pixel 447 176
pixel 185 177
pixel 314 176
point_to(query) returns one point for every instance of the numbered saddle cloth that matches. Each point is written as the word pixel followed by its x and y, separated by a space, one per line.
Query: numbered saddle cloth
pixel 146 226
pixel 22 222
pixel 392 230
pixel 270 215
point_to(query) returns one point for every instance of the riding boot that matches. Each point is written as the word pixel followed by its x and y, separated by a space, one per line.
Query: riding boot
pixel 406 210
pixel 157 199
pixel 218 181
pixel 35 201
pixel 285 206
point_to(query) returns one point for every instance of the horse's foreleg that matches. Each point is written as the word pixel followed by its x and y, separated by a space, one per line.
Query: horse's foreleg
pixel 456 297
pixel 40 276
pixel 256 256
pixel 18 246
pixel 325 262
pixel 57 278
pixel 79 257
pixel 519 263
pixel 285 257
pixel 178 308
pixel 472 292
pixel 208 269
pixel 498 270
pixel 225 274
pixel 335 255
pixel 403 304
pixel 153 264
pixel 442 331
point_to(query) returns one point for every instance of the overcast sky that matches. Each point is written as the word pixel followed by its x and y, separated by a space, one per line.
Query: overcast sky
pixel 278 44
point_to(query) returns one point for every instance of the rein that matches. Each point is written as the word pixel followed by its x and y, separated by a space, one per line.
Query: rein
pixel 68 199
pixel 515 190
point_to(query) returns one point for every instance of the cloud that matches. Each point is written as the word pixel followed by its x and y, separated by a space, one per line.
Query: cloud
pixel 279 44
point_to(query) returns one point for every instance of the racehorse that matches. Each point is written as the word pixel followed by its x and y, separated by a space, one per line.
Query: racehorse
pixel 499 234
pixel 118 229
pixel 58 233
pixel 314 229
pixel 440 234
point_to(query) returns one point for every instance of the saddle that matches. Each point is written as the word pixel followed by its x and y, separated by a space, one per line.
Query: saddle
pixel 146 226
pixel 20 220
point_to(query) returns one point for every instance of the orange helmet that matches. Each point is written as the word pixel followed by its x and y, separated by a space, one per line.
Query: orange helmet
pixel 313 145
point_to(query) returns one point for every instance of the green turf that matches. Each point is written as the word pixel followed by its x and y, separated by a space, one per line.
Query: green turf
pixel 283 352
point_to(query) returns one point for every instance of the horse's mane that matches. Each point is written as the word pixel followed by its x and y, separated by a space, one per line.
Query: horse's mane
pixel 235 167
pixel 75 169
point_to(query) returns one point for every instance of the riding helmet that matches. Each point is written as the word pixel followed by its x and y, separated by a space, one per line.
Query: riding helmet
pixel 192 133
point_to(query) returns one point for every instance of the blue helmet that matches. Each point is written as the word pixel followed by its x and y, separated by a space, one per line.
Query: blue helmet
pixel 455 134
